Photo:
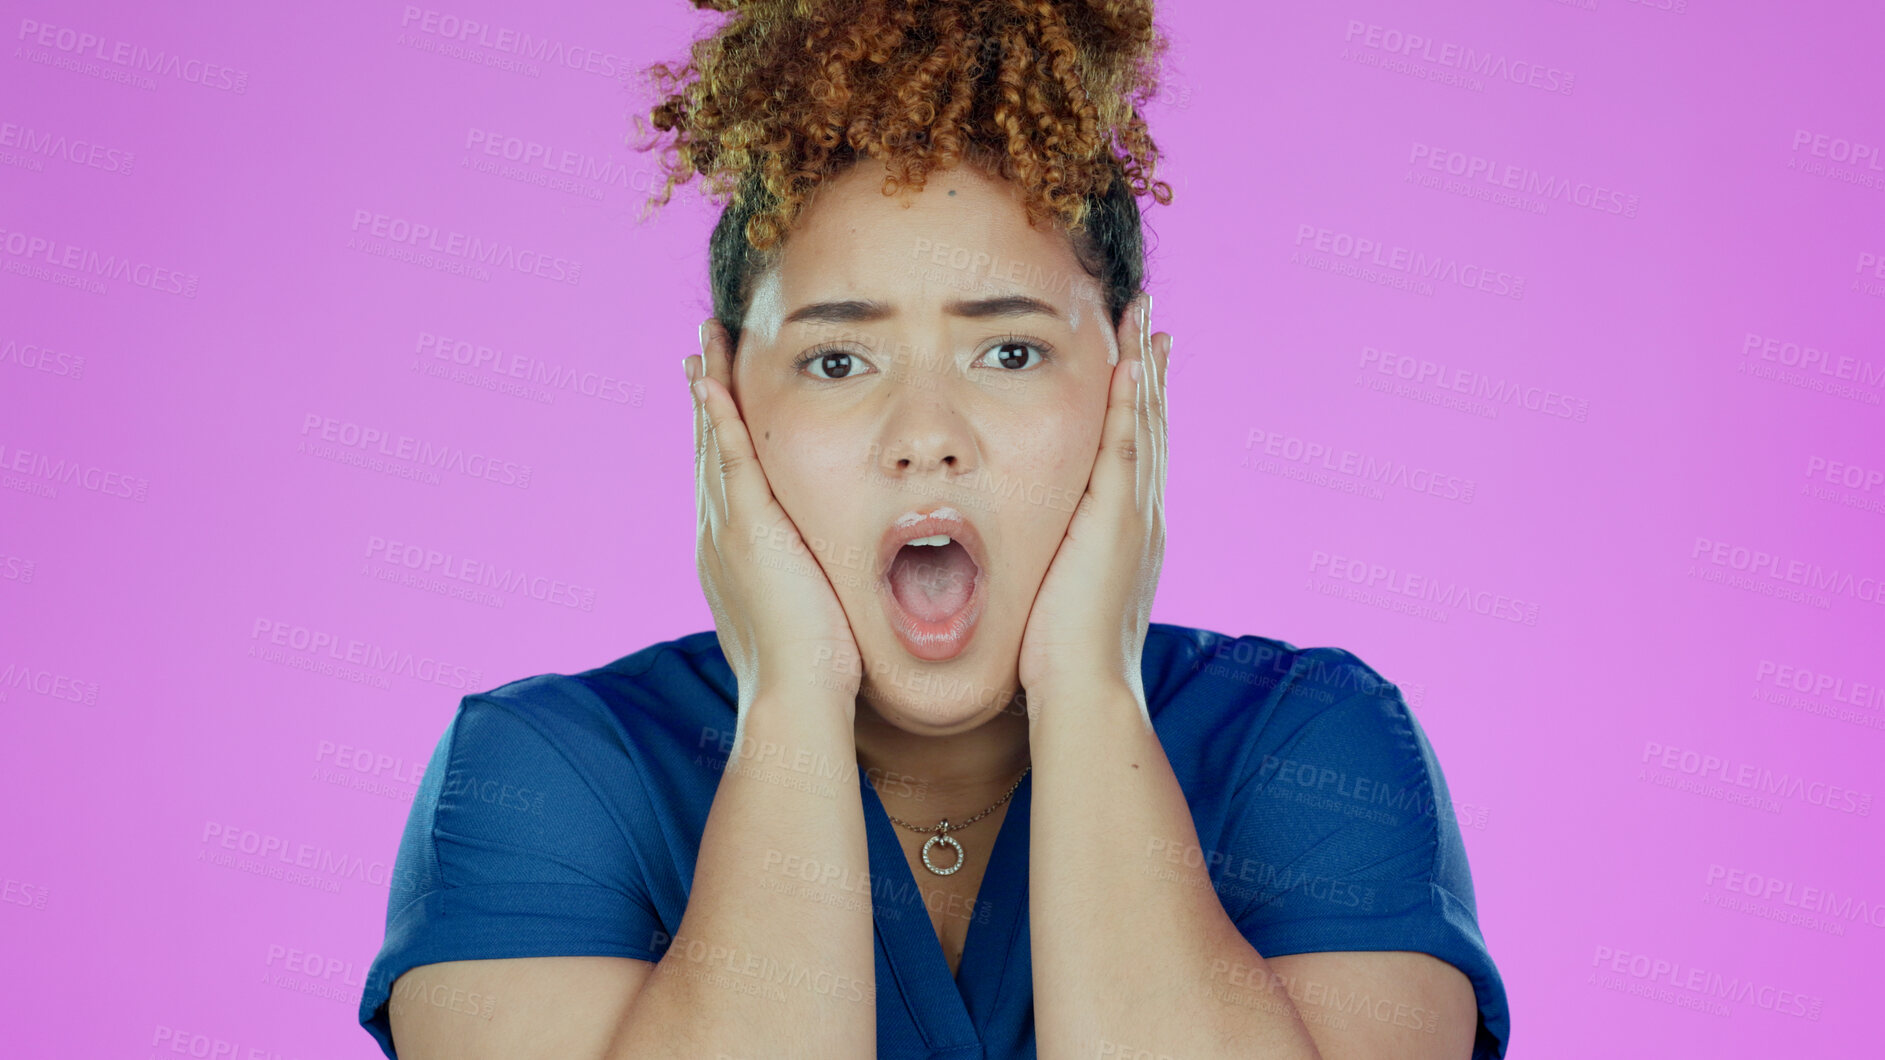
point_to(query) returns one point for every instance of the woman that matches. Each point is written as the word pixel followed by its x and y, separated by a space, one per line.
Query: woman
pixel 934 785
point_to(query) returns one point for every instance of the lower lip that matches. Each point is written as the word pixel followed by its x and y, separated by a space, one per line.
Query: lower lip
pixel 934 641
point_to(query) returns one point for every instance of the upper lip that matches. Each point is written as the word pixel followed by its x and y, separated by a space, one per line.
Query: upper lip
pixel 927 522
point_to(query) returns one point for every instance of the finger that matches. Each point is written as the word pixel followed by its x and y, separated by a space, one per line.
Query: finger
pixel 1145 466
pixel 733 471
pixel 692 364
pixel 717 354
pixel 732 452
pixel 1161 435
pixel 1148 400
pixel 1158 364
pixel 1116 471
pixel 1158 359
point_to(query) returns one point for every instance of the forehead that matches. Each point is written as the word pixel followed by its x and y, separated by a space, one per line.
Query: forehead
pixel 964 236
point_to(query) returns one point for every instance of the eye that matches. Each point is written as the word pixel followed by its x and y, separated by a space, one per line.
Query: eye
pixel 1011 352
pixel 831 365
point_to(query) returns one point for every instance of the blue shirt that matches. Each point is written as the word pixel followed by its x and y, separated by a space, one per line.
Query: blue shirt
pixel 561 816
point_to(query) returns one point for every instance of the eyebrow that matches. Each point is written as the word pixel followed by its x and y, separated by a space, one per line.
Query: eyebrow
pixel 854 311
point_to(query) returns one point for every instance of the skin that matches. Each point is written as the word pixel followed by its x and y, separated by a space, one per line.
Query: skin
pixel 928 414
pixel 787 460
pixel 924 411
pixel 844 457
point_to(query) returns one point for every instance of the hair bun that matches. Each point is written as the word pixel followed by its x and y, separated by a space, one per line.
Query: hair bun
pixel 1045 93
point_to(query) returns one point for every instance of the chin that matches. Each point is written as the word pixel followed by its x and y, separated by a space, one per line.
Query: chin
pixel 934 699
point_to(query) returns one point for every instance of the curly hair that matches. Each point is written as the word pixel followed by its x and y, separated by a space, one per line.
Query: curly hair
pixel 787 94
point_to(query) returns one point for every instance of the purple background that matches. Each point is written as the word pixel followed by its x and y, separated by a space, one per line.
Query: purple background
pixel 1638 407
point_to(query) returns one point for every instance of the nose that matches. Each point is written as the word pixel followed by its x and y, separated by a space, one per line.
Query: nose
pixel 922 434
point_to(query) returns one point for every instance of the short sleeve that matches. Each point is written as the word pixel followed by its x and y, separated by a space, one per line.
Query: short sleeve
pixel 509 851
pixel 1342 836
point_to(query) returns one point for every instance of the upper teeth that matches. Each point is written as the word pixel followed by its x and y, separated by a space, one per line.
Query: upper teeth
pixel 934 539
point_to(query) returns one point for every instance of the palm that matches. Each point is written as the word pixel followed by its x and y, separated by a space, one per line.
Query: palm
pixel 1090 617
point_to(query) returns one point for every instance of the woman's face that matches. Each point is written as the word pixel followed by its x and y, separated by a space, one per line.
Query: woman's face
pixel 915 353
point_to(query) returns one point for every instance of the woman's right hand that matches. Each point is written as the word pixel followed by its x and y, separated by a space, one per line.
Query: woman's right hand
pixel 780 624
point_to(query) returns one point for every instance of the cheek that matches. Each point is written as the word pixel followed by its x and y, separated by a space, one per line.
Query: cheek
pixel 1051 457
pixel 814 474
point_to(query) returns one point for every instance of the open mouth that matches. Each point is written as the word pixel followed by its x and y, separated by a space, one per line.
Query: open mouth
pixel 932 582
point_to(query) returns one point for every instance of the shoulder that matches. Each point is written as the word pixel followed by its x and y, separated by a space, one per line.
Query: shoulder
pixel 1254 685
pixel 640 705
pixel 1176 655
pixel 1321 804
pixel 576 765
pixel 555 818
pixel 1261 731
pixel 567 779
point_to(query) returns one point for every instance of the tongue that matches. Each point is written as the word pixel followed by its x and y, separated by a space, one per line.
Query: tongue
pixel 932 583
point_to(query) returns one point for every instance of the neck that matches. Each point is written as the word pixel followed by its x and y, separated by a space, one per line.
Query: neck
pixel 955 775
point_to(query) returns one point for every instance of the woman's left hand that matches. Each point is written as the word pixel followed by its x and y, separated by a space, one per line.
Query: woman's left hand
pixel 1088 624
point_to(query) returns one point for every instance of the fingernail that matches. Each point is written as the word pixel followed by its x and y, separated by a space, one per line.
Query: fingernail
pixel 1135 369
pixel 687 367
pixel 703 337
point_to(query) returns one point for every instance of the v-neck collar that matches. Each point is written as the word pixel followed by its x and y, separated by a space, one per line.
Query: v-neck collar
pixel 953 1012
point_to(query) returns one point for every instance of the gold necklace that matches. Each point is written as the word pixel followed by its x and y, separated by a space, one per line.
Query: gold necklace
pixel 942 830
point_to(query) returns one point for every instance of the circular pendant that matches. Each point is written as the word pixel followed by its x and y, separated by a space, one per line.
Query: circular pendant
pixel 942 839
